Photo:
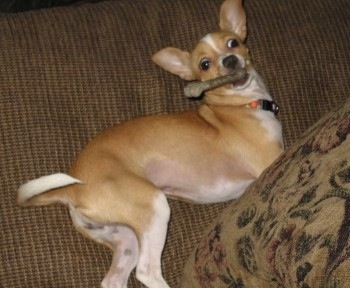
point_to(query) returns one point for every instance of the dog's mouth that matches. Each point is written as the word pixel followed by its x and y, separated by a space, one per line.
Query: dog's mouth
pixel 195 89
pixel 241 81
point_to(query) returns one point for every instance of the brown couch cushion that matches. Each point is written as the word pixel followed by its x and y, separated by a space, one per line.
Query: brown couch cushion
pixel 291 227
pixel 69 72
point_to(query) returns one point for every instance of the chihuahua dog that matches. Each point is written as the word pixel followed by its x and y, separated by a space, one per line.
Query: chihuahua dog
pixel 116 189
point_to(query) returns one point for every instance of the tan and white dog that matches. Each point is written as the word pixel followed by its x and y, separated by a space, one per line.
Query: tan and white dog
pixel 116 189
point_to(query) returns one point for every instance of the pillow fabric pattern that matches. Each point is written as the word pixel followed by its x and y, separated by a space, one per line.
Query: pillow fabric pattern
pixel 292 226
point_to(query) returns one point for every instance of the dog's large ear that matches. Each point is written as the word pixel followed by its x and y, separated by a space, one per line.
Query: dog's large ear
pixel 233 18
pixel 175 61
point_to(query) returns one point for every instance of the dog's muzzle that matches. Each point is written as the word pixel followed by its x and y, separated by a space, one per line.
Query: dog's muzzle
pixel 231 63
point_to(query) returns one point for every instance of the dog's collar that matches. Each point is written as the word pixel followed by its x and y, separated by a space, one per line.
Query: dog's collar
pixel 264 104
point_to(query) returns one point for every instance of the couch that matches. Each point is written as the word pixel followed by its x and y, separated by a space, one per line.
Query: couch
pixel 67 73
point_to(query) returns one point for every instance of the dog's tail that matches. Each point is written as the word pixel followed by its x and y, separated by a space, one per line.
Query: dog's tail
pixel 45 190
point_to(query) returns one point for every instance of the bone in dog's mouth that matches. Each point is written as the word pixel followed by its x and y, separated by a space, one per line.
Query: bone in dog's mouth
pixel 237 77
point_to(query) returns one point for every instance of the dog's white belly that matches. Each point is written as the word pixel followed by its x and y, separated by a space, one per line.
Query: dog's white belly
pixel 221 191
pixel 197 183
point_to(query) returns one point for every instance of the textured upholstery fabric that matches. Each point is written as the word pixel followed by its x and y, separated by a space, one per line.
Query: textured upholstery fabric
pixel 67 73
pixel 291 227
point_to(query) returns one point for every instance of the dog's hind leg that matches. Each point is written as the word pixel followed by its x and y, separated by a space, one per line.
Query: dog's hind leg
pixel 120 238
pixel 148 270
pixel 125 257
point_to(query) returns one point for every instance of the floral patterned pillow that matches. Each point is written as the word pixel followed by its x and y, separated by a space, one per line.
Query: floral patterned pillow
pixel 292 226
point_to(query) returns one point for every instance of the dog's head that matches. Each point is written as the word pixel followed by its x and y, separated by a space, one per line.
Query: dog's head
pixel 216 54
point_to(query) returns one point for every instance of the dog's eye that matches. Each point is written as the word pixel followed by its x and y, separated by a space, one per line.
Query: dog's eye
pixel 232 43
pixel 204 64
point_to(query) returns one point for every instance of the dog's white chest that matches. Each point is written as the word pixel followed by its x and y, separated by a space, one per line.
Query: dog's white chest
pixel 272 126
pixel 256 89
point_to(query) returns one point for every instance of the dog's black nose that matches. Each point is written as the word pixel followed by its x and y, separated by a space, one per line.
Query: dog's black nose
pixel 230 62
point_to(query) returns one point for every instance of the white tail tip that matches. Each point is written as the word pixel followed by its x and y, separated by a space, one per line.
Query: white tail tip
pixel 43 184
